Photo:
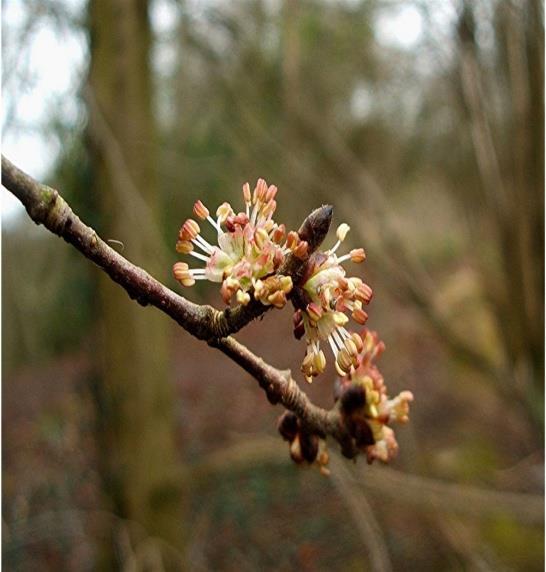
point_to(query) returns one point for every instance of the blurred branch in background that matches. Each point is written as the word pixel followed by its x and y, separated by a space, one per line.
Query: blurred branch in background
pixel 363 516
pixel 420 493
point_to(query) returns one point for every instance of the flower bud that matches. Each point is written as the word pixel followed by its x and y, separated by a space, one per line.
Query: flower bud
pixel 292 240
pixel 353 399
pixel 260 191
pixel 184 246
pixel 361 432
pixel 319 361
pixel 246 193
pixel 342 231
pixel 299 328
pixel 359 316
pixel 242 298
pixel 269 208
pixel 277 299
pixel 399 407
pixel 229 286
pixel 223 211
pixel 343 361
pixel 182 274
pixel 358 341
pixel 285 283
pixel 200 210
pixel 278 234
pixel 271 193
pixel 301 250
pixel 357 255
pixel 190 229
pixel 287 425
pixel 309 446
pixel 364 293
pixel 340 319
pixel 295 450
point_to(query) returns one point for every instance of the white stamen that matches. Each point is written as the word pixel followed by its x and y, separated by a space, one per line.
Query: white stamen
pixel 254 214
pixel 344 332
pixel 218 227
pixel 336 246
pixel 199 255
pixel 343 258
pixel 215 224
pixel 334 348
pixel 203 244
pixel 337 336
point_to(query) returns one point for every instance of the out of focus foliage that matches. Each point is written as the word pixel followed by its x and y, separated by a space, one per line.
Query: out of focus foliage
pixel 433 151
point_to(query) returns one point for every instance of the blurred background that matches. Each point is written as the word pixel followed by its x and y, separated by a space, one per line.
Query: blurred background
pixel 128 445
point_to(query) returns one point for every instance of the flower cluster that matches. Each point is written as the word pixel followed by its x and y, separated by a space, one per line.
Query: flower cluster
pixel 247 258
pixel 325 297
pixel 250 249
pixel 366 407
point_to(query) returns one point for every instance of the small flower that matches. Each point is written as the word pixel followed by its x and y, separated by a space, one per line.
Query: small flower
pixel 366 406
pixel 324 297
pixel 250 248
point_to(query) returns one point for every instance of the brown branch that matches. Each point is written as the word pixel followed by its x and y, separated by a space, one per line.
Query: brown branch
pixel 46 206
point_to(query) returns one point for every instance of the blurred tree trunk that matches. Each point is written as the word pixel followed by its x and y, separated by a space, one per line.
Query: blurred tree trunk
pixel 512 180
pixel 135 400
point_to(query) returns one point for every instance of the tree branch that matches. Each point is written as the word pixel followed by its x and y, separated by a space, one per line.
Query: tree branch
pixel 47 207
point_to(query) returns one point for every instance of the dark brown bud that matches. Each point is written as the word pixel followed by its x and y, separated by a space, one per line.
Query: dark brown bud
pixel 315 227
pixel 353 399
pixel 299 328
pixel 288 425
pixel 361 432
pixel 309 444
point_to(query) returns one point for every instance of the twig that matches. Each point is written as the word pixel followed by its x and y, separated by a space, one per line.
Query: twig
pixel 46 206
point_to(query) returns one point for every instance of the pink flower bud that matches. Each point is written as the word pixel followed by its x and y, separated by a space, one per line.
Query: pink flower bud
pixel 246 193
pixel 271 193
pixel 182 274
pixel 301 250
pixel 292 240
pixel 357 255
pixel 364 293
pixel 260 191
pixel 278 234
pixel 200 210
pixel 359 316
pixel 190 229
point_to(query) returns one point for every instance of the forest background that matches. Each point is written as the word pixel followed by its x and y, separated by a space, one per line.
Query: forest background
pixel 129 445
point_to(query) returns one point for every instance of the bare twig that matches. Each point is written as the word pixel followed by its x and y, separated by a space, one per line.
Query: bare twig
pixel 46 206
pixel 363 516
